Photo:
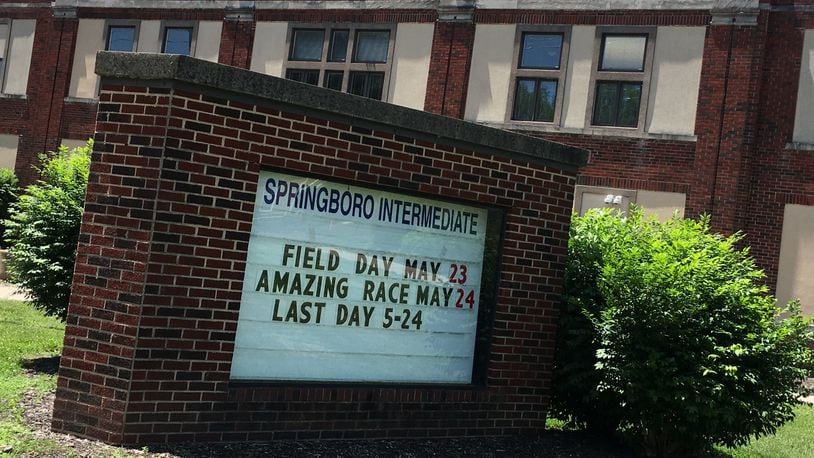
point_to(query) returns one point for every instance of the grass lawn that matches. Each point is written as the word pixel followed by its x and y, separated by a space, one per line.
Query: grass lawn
pixel 24 333
pixel 793 440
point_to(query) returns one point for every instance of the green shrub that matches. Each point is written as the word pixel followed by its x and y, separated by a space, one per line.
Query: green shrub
pixel 43 229
pixel 669 339
pixel 9 190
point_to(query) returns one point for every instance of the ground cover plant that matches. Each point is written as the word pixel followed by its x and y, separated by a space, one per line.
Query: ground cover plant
pixel 25 335
pixel 669 340
pixel 43 229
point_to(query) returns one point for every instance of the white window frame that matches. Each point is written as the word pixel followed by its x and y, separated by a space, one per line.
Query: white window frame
pixel 179 25
pixel 545 74
pixel 642 77
pixel 348 66
pixel 123 23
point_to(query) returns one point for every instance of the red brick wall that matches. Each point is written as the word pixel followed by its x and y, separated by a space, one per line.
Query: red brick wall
pixel 237 39
pixel 725 123
pixel 631 163
pixel 448 77
pixel 78 120
pixel 734 146
pixel 778 175
pixel 585 17
pixel 160 266
pixel 38 117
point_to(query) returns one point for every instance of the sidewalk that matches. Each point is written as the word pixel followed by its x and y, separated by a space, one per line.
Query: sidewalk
pixel 8 291
pixel 810 384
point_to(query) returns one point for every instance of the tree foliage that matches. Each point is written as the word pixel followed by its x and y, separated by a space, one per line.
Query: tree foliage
pixel 9 190
pixel 43 229
pixel 669 338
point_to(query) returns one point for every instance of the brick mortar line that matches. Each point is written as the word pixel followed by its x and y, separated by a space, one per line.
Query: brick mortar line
pixel 158 180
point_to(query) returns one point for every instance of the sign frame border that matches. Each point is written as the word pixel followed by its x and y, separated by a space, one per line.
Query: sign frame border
pixel 490 278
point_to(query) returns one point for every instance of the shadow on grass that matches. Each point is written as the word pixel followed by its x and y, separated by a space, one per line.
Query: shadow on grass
pixel 44 365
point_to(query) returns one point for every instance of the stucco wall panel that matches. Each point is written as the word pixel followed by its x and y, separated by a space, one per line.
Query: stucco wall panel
pixel 411 65
pixel 662 205
pixel 578 76
pixel 795 278
pixel 89 39
pixel 269 51
pixel 8 150
pixel 490 76
pixel 207 43
pixel 149 37
pixel 675 80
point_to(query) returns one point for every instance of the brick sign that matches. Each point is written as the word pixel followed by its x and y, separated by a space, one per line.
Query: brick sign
pixel 345 283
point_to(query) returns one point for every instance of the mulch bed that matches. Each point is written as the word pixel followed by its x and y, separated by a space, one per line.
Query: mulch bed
pixel 38 408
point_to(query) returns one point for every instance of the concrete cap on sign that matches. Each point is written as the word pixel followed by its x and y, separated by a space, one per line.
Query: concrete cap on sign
pixel 138 68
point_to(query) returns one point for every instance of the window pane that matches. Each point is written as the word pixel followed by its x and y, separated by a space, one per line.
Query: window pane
pixel 338 51
pixel 375 85
pixel 303 76
pixel 3 45
pixel 629 105
pixel 534 100
pixel 371 46
pixel 546 99
pixel 307 45
pixel 3 40
pixel 333 80
pixel 541 50
pixel 607 97
pixel 121 38
pixel 524 100
pixel 357 83
pixel 366 84
pixel 177 40
pixel 623 52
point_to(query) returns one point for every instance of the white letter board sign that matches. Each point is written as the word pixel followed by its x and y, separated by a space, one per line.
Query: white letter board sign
pixel 349 284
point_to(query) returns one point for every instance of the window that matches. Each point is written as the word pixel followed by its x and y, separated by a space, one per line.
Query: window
pixel 341 57
pixel 534 100
pixel 4 43
pixel 624 53
pixel 307 45
pixel 617 104
pixel 366 84
pixel 177 40
pixel 536 93
pixel 121 38
pixel 620 81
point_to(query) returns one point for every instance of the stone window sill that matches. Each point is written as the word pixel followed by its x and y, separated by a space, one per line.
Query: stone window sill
pixel 81 100
pixel 593 131
pixel 799 146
